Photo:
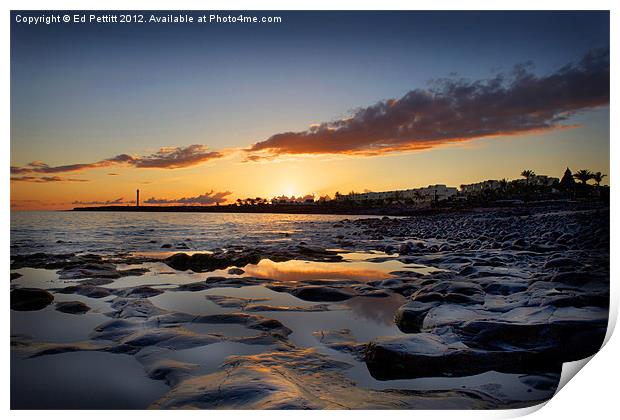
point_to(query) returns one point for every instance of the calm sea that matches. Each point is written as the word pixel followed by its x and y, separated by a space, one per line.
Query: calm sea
pixel 109 232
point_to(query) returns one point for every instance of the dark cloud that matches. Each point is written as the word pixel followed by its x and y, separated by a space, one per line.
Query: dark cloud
pixel 108 202
pixel 453 110
pixel 44 179
pixel 165 158
pixel 203 199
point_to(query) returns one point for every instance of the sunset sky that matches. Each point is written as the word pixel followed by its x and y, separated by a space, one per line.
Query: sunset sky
pixel 320 103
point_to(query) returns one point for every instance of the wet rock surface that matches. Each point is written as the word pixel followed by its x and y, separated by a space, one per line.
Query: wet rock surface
pixel 219 259
pixel 530 295
pixel 73 307
pixel 30 299
pixel 300 379
pixel 516 292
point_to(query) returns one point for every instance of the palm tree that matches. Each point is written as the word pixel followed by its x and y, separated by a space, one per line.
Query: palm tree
pixel 598 178
pixel 584 176
pixel 528 174
pixel 503 184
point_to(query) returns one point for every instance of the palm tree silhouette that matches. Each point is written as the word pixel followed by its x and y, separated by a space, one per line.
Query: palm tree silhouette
pixel 528 174
pixel 598 178
pixel 584 175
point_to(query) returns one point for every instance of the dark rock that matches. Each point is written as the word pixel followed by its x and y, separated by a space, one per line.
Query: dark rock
pixel 216 281
pixel 236 271
pixel 429 355
pixel 139 292
pixel 316 254
pixel 49 261
pixel 86 290
pixel 561 340
pixel 451 292
pixel 30 299
pixel 73 307
pixel 210 262
pixel 410 317
pixel 133 272
pixel 193 287
pixel 96 282
pixel 90 270
pixel 321 294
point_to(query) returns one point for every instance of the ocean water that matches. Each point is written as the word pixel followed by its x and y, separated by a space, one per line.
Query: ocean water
pixel 111 232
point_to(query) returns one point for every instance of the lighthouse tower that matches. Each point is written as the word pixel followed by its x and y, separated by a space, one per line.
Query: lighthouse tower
pixel 137 198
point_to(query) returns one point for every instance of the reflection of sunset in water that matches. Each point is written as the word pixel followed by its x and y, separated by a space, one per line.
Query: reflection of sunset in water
pixel 295 270
pixel 349 269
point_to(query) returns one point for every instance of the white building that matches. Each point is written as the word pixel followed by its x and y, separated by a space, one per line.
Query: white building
pixel 477 187
pixel 431 193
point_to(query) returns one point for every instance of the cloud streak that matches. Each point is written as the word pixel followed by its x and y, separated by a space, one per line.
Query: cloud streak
pixel 207 198
pixel 452 111
pixel 164 158
pixel 45 179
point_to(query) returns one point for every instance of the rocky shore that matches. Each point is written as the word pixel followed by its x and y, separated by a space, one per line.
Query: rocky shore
pixel 514 293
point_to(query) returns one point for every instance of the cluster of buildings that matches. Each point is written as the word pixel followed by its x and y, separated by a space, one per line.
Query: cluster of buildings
pixel 491 184
pixel 431 193
pixel 441 192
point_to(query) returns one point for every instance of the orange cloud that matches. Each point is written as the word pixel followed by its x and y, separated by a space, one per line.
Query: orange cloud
pixel 453 111
pixel 165 158
pixel 44 179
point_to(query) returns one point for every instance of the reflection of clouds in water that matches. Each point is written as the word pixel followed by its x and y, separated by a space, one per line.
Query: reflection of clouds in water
pixel 379 310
